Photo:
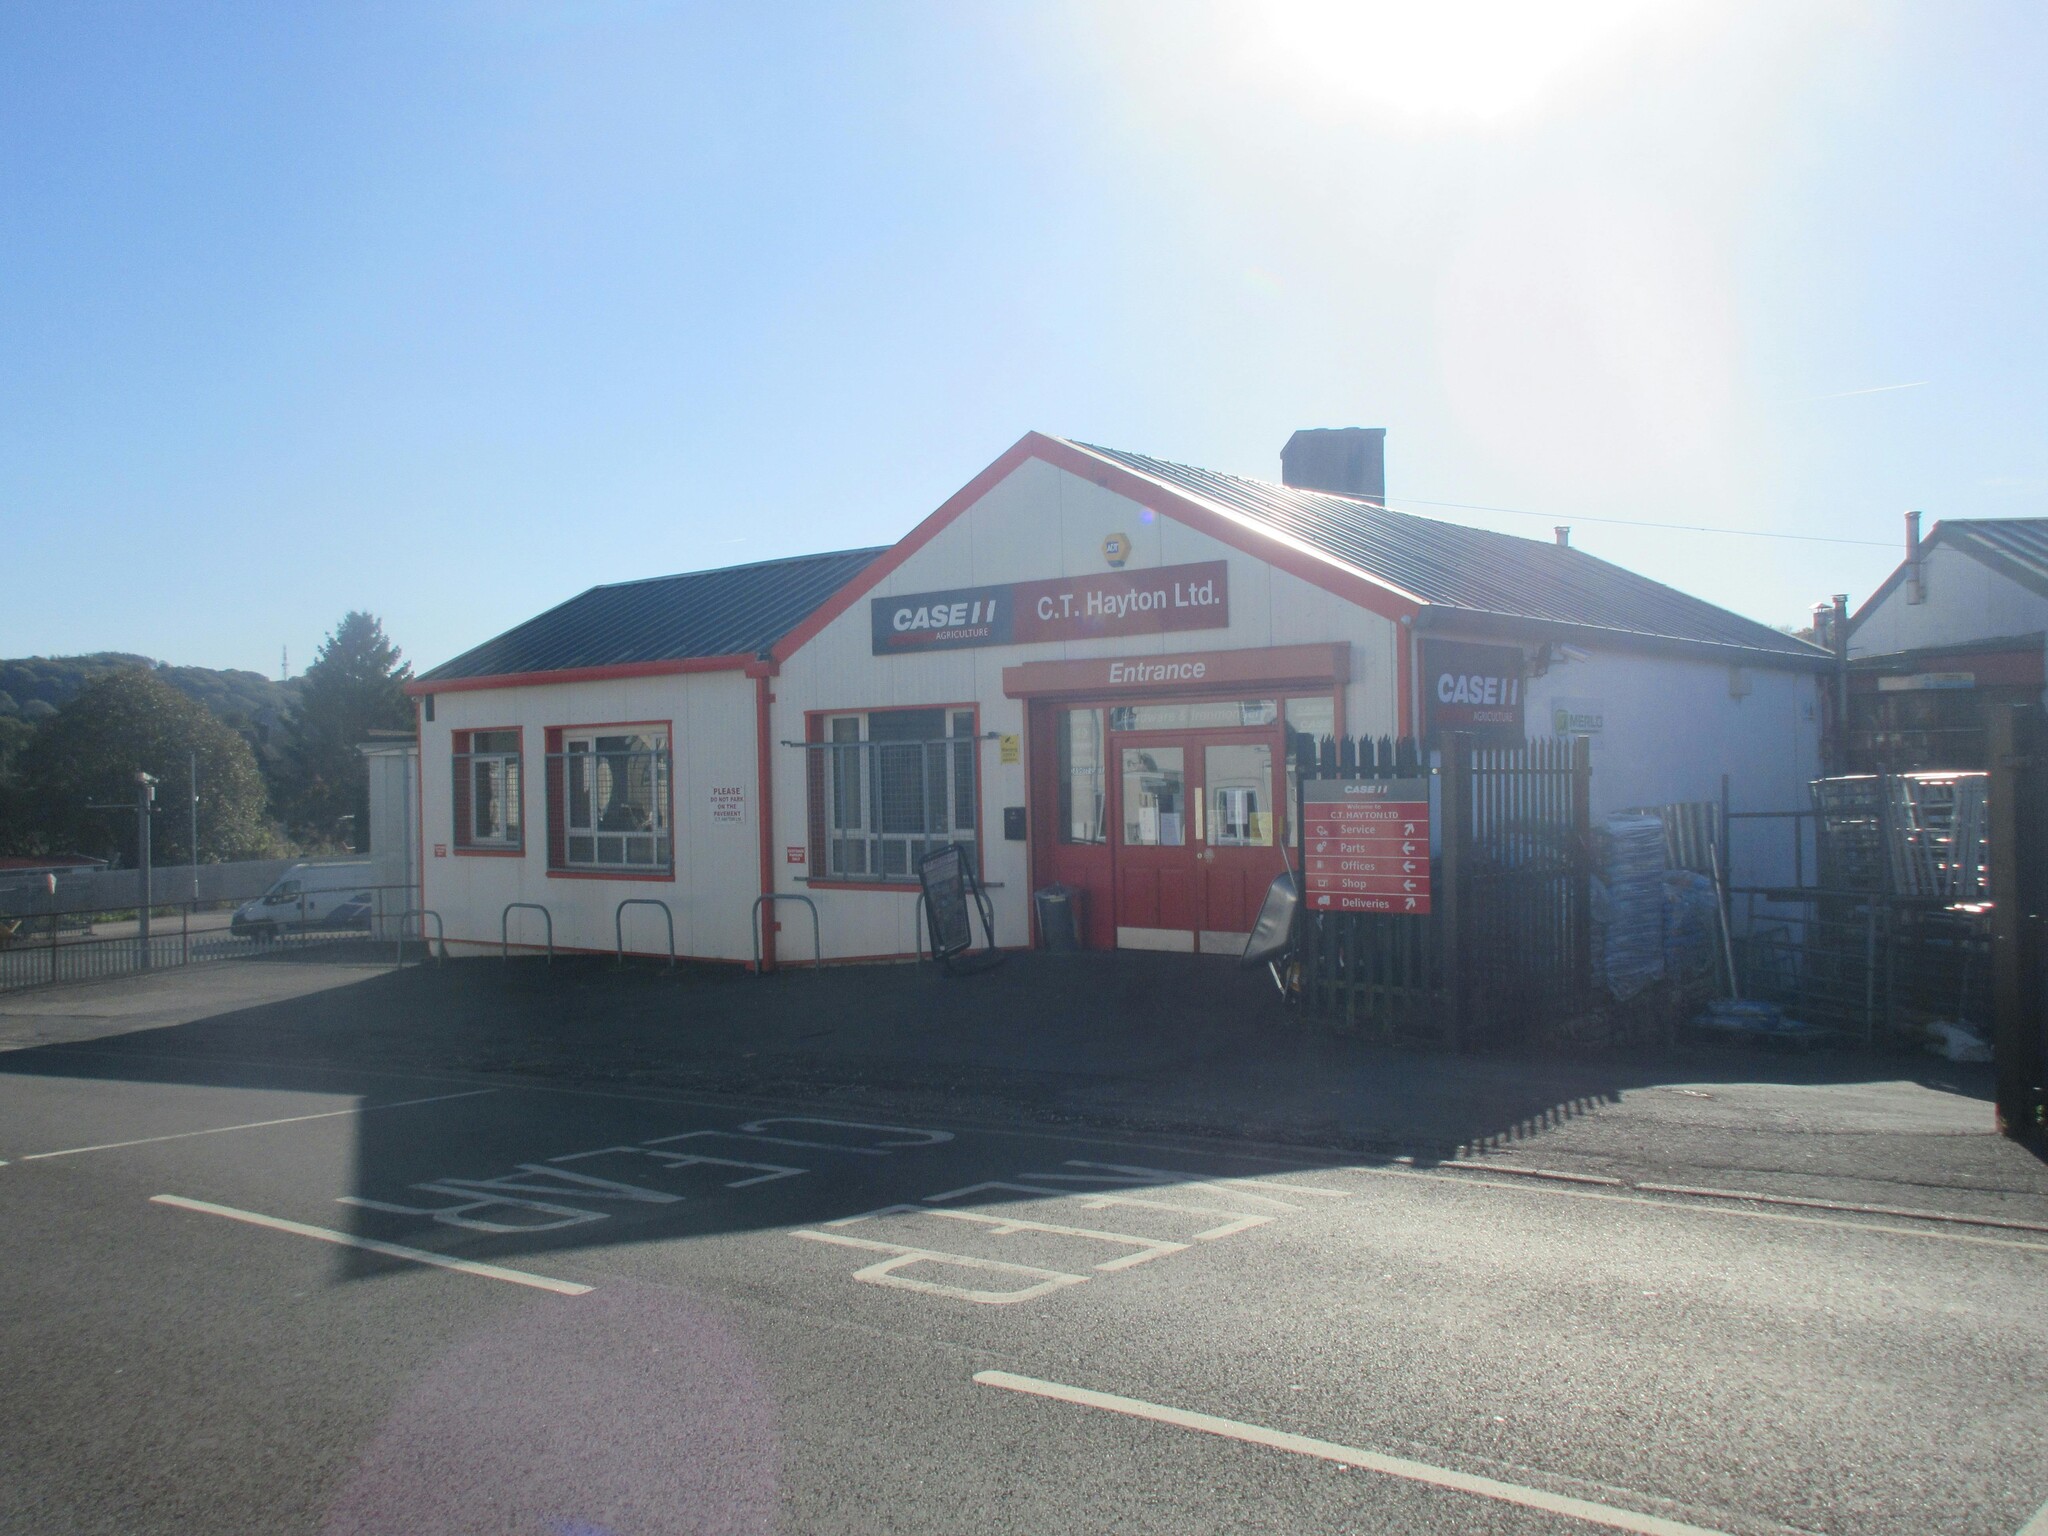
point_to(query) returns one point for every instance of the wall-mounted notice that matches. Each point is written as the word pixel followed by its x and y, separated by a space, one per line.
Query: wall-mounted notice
pixel 728 803
pixel 1365 845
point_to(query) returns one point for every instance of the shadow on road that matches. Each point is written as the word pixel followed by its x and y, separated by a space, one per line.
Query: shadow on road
pixel 1086 1044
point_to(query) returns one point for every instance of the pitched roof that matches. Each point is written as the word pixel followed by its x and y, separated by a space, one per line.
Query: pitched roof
pixel 1479 580
pixel 2016 547
pixel 738 611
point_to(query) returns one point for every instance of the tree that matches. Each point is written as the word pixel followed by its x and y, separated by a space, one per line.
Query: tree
pixel 356 685
pixel 88 752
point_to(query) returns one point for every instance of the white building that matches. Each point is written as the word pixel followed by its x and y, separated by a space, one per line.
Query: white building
pixel 1081 667
pixel 1960 627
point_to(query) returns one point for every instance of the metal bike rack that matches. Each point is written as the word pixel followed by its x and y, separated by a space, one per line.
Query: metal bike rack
pixel 440 943
pixel 619 925
pixel 754 922
pixel 505 927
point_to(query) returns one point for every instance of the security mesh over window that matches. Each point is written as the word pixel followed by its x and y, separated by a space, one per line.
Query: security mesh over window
pixel 890 786
pixel 612 801
pixel 487 790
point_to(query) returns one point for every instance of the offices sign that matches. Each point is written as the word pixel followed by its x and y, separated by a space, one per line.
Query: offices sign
pixel 1172 597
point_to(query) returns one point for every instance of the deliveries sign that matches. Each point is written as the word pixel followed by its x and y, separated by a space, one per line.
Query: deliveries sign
pixel 1066 608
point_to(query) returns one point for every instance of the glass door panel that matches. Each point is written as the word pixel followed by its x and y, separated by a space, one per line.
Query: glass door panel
pixel 1155 797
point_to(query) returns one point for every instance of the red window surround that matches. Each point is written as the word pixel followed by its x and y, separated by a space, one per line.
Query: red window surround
pixel 819 795
pixel 464 842
pixel 557 780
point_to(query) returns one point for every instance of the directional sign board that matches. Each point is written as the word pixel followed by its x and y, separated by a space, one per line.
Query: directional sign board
pixel 1365 845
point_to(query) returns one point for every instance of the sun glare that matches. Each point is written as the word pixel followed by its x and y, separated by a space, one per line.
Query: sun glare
pixel 1475 60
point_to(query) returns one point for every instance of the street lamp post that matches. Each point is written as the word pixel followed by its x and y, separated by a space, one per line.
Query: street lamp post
pixel 145 797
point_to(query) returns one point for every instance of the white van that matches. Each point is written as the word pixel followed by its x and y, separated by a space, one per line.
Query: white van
pixel 309 897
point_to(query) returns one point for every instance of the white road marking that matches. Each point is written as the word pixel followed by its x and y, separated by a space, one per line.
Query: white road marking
pixel 1352 1456
pixel 766 1172
pixel 884 1273
pixel 372 1245
pixel 924 1137
pixel 1180 1178
pixel 257 1125
pixel 1235 1222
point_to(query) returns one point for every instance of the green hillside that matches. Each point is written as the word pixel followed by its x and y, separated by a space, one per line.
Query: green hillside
pixel 34 687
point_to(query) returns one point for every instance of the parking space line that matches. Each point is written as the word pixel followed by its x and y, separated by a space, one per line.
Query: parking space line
pixel 1091 1200
pixel 902 1255
pixel 256 1125
pixel 372 1245
pixel 1351 1456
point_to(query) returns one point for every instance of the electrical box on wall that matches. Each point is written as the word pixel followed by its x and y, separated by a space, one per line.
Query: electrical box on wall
pixel 1013 823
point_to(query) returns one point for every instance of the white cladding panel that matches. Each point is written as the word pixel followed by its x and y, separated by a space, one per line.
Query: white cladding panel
pixel 1669 727
pixel 712 719
pixel 1038 522
pixel 1966 600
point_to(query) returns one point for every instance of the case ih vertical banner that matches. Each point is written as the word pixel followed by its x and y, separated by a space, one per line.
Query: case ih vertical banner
pixel 1066 608
pixel 1365 845
pixel 1476 689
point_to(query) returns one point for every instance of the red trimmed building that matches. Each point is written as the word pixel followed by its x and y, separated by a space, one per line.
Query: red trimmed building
pixel 1085 667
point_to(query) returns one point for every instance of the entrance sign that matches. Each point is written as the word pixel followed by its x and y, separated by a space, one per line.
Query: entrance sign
pixel 1476 689
pixel 1172 597
pixel 1365 845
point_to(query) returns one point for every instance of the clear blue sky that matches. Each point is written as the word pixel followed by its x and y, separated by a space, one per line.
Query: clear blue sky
pixel 448 311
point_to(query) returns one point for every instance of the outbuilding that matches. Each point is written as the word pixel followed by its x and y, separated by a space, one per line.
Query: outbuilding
pixel 1085 667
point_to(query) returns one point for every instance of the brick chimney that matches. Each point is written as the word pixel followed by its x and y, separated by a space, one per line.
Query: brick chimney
pixel 1347 461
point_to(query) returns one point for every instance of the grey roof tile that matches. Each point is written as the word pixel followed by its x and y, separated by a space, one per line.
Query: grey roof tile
pixel 1456 570
pixel 743 608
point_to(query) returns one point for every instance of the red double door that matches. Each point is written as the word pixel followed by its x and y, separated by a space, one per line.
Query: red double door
pixel 1195 826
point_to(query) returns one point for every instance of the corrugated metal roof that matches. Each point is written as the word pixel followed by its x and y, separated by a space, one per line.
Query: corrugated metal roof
pixel 2015 546
pixel 1470 571
pixel 741 609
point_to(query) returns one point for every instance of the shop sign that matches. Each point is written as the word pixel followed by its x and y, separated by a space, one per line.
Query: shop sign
pixel 1476 689
pixel 1152 602
pixel 1365 845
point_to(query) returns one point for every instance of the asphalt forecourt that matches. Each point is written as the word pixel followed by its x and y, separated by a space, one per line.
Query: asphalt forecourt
pixel 326 1300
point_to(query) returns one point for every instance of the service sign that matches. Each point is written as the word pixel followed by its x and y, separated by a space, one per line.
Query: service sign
pixel 1152 602
pixel 1365 845
pixel 1476 689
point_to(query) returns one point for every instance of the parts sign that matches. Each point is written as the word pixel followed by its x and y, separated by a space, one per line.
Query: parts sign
pixel 1365 845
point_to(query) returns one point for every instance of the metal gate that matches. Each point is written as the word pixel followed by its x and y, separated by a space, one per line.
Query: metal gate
pixel 2018 805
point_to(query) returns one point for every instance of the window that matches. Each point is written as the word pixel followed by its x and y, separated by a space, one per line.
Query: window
pixel 889 786
pixel 1083 777
pixel 488 814
pixel 1197 714
pixel 609 806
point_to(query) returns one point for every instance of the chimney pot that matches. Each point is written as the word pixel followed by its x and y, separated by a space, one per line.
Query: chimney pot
pixel 1916 574
pixel 1564 535
pixel 1345 461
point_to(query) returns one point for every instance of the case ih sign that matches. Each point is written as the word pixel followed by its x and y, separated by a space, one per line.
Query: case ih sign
pixel 1476 689
pixel 1067 608
pixel 1365 845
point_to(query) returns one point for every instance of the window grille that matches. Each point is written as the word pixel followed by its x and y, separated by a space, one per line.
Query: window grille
pixel 609 802
pixel 889 786
pixel 488 785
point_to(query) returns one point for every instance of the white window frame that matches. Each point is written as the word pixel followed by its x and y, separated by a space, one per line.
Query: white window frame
pixel 508 832
pixel 618 849
pixel 862 847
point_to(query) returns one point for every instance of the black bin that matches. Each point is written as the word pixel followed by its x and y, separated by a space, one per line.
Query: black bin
pixel 1059 917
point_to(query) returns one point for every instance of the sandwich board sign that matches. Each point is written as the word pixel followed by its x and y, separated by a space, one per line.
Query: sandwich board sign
pixel 1365 845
